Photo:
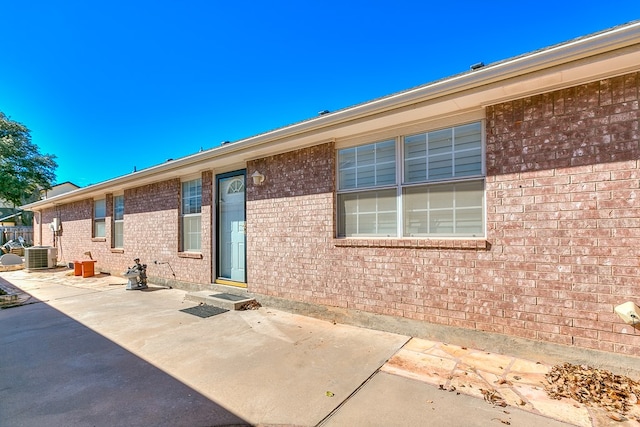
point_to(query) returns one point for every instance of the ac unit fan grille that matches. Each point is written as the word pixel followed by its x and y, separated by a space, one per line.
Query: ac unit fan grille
pixel 36 257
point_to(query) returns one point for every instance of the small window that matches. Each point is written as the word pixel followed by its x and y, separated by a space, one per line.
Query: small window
pixel 367 166
pixel 370 213
pixel 118 222
pixel 99 214
pixel 453 209
pixel 443 154
pixel 236 186
pixel 191 213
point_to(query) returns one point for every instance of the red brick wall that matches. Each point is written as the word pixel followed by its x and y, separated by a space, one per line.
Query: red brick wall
pixel 564 215
pixel 290 224
pixel 151 223
pixel 151 233
pixel 77 225
pixel 563 229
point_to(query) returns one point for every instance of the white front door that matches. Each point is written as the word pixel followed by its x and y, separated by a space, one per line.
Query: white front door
pixel 231 227
pixel 238 229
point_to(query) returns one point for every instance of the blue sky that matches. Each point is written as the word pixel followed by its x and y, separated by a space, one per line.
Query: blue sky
pixel 106 86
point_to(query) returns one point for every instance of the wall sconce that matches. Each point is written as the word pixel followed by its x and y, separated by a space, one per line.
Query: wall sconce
pixel 258 178
pixel 629 313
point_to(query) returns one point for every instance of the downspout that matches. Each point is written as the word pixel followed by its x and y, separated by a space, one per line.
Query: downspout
pixel 39 228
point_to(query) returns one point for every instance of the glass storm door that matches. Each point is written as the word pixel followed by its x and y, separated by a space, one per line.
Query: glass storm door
pixel 231 228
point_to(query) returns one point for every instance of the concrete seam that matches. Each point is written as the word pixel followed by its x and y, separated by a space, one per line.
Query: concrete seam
pixel 354 392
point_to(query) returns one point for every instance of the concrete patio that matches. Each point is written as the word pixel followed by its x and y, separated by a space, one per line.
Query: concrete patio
pixel 85 350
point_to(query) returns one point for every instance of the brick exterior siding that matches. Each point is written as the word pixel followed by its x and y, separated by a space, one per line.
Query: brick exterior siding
pixel 151 233
pixel 563 229
pixel 290 226
pixel 77 228
pixel 564 215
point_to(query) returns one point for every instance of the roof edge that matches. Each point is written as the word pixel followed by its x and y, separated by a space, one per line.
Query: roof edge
pixel 588 46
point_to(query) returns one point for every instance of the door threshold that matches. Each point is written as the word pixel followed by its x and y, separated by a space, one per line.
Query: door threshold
pixel 230 283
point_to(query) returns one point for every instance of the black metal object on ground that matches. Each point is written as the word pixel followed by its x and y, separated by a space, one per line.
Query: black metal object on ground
pixel 204 311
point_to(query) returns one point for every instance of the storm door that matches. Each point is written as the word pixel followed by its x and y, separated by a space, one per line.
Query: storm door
pixel 231 229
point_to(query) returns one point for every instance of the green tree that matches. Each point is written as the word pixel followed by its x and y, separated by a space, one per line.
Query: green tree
pixel 24 171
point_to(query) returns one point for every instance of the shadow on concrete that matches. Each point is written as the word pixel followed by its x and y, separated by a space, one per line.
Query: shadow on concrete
pixel 152 288
pixel 56 372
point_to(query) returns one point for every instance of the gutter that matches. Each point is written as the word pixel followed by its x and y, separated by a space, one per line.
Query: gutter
pixel 607 41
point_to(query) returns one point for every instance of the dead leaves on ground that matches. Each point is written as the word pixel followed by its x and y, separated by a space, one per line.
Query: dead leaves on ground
pixel 250 305
pixel 616 394
pixel 493 397
pixel 594 387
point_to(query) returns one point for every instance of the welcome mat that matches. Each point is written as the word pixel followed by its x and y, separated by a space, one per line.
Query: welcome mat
pixel 229 297
pixel 204 310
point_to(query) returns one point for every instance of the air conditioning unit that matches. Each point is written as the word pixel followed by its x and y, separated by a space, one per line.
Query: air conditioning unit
pixel 39 257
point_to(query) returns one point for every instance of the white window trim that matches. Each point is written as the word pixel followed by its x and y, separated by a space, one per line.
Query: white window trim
pixel 117 221
pixel 400 134
pixel 97 219
pixel 189 215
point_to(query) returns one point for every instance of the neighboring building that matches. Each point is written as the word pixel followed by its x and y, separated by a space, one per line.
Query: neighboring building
pixel 58 189
pixel 10 216
pixel 502 202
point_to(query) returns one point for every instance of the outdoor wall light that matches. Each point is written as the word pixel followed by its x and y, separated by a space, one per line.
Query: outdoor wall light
pixel 258 178
pixel 629 313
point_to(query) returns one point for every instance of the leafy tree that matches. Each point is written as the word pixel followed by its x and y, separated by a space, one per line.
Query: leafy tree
pixel 23 170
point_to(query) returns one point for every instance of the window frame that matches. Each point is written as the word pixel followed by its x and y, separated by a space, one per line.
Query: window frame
pixel 97 220
pixel 401 185
pixel 187 235
pixel 118 222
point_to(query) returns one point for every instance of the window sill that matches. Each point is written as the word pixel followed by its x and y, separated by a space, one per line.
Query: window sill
pixel 117 251
pixel 191 255
pixel 464 244
pixel 98 239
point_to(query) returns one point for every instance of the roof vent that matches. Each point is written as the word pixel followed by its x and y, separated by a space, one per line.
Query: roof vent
pixel 323 112
pixel 477 65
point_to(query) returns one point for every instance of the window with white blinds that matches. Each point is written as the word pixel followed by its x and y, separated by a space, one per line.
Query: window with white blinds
pixel 443 154
pixel 191 215
pixel 368 165
pixel 118 221
pixel 440 194
pixel 99 214
pixel 452 209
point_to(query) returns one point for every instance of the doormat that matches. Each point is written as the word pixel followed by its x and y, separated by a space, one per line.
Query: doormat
pixel 229 297
pixel 204 311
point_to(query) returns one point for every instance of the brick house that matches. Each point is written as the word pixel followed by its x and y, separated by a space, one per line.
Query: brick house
pixel 499 204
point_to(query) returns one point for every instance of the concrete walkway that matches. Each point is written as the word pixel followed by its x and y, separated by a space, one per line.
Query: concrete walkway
pixel 88 352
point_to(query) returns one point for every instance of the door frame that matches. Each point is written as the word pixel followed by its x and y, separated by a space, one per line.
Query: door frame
pixel 217 217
